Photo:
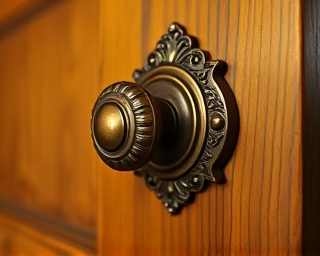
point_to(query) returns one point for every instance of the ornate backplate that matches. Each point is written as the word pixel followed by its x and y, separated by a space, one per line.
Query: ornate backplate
pixel 179 50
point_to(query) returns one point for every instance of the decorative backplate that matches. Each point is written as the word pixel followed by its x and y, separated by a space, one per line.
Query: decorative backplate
pixel 177 49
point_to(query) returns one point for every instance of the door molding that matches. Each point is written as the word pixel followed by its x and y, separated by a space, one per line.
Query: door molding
pixel 51 226
pixel 311 128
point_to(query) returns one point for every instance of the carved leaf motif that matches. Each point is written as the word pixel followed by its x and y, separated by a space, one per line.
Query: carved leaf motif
pixel 176 47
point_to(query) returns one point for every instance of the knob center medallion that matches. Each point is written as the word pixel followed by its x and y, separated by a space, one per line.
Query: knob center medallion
pixel 110 127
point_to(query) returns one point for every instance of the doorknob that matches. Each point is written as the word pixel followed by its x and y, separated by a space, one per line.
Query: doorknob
pixel 177 125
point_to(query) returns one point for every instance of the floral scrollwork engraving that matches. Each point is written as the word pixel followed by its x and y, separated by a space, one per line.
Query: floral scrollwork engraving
pixel 177 48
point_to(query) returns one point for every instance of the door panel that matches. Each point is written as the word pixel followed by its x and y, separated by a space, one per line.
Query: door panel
pixel 49 62
pixel 17 238
pixel 259 209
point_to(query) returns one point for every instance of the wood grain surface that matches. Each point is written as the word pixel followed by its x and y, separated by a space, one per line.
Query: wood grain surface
pixel 49 67
pixel 17 238
pixel 259 210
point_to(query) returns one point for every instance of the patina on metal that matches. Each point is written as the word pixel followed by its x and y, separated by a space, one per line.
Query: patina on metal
pixel 109 127
pixel 175 156
pixel 135 139
pixel 177 125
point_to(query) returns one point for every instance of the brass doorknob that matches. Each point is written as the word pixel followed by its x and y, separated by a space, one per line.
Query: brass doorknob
pixel 126 126
pixel 177 125
pixel 161 126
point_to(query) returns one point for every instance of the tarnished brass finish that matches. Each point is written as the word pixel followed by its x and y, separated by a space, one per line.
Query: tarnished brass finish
pixel 173 97
pixel 176 156
pixel 177 126
pixel 109 127
pixel 217 122
pixel 132 109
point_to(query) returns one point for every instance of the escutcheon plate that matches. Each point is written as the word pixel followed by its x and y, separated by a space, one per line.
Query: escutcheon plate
pixel 177 65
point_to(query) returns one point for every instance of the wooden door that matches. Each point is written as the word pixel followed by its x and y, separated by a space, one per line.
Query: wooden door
pixel 56 196
pixel 258 210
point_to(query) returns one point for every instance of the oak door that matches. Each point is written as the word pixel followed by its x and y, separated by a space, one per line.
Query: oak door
pixel 258 210
pixel 56 191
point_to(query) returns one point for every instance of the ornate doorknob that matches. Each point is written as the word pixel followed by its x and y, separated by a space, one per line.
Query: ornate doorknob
pixel 126 126
pixel 177 125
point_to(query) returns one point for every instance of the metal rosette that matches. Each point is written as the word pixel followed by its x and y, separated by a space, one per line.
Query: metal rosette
pixel 177 57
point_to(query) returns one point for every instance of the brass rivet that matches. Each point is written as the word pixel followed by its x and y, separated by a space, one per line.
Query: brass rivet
pixel 172 27
pixel 109 127
pixel 217 122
